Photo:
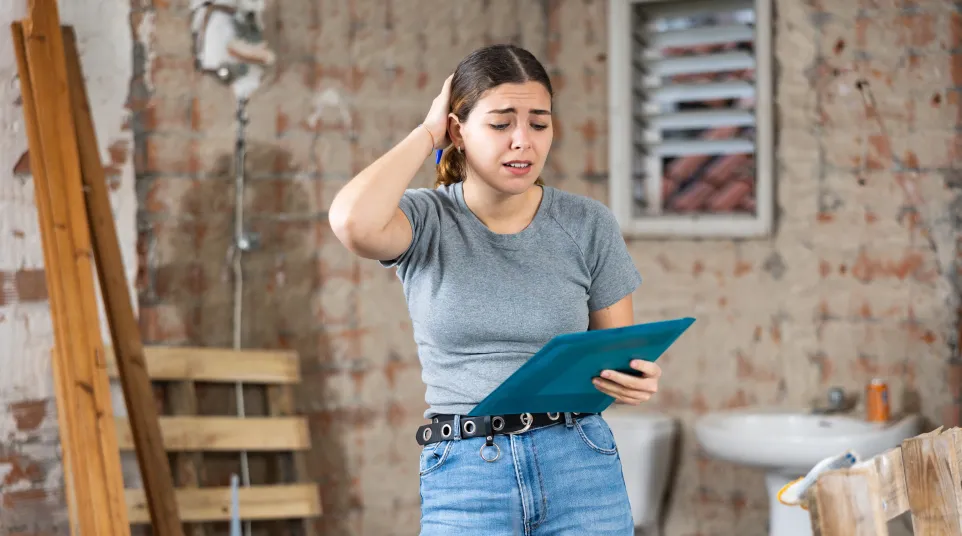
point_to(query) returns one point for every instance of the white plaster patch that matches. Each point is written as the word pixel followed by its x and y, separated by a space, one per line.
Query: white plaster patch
pixel 8 429
pixel 5 470
pixel 27 336
pixel 330 98
pixel 145 33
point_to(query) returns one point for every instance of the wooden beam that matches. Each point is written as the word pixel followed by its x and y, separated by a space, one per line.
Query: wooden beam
pixel 74 477
pixel 95 492
pixel 257 503
pixel 124 328
pixel 847 502
pixel 217 365
pixel 932 483
pixel 226 434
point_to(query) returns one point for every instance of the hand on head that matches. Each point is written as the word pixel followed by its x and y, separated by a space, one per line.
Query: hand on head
pixel 436 121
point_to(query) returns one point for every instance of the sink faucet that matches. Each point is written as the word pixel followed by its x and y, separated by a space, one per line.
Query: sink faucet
pixel 835 403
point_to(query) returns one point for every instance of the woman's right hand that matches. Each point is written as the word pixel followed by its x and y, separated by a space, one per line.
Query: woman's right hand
pixel 437 119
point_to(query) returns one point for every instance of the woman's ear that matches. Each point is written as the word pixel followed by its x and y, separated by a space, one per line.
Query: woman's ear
pixel 454 131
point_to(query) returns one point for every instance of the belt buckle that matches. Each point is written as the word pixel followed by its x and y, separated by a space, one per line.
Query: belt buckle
pixel 527 420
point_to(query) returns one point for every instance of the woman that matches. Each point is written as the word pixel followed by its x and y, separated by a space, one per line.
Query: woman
pixel 494 264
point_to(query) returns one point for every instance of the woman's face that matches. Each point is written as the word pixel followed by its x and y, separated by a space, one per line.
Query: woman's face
pixel 507 136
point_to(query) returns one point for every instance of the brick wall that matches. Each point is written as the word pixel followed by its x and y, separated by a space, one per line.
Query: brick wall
pixel 860 280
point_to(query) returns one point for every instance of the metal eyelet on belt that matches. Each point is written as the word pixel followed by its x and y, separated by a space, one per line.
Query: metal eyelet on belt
pixel 469 427
pixel 426 434
pixel 554 416
pixel 527 420
pixel 445 430
pixel 497 423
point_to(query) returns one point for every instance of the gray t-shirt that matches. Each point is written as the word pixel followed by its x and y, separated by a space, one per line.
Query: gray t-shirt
pixel 482 303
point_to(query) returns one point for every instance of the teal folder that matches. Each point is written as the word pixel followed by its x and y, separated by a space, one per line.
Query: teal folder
pixel 557 378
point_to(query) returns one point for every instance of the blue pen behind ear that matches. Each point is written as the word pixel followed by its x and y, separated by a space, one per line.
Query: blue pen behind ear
pixel 438 159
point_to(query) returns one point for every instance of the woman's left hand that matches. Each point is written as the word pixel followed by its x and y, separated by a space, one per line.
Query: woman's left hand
pixel 629 389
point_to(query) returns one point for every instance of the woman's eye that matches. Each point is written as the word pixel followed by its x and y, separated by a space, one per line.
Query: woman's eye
pixel 500 127
pixel 539 127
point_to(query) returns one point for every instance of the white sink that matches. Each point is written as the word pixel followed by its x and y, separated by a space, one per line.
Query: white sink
pixel 788 444
pixel 795 441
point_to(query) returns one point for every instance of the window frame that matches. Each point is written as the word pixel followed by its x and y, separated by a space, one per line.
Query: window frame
pixel 622 157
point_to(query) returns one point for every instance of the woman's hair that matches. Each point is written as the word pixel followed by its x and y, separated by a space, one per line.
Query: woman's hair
pixel 480 71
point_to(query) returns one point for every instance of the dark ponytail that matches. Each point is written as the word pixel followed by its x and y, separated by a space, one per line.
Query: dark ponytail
pixel 452 167
pixel 480 71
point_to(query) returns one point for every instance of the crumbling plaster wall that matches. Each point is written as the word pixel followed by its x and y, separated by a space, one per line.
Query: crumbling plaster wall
pixel 860 280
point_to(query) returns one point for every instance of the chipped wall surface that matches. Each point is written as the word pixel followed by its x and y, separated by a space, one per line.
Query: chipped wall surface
pixel 860 280
pixel 31 500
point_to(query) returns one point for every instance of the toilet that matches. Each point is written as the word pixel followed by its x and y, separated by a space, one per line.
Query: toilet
pixel 646 444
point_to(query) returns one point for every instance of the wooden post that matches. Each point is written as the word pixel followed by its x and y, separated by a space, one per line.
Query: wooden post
pixel 847 502
pixel 182 397
pixel 932 483
pixel 280 403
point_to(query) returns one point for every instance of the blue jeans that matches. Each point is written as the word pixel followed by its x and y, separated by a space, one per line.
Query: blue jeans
pixel 560 480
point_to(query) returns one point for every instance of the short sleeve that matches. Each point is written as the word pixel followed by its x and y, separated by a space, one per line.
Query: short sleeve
pixel 613 272
pixel 422 213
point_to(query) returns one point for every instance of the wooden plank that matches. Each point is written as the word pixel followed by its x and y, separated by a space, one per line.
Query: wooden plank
pixel 225 434
pixel 86 426
pixel 74 476
pixel 280 403
pixel 218 365
pixel 895 500
pixel 847 503
pixel 956 439
pixel 257 503
pixel 124 329
pixel 78 519
pixel 932 483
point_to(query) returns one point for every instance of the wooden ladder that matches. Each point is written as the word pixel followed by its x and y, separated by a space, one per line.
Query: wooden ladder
pixel 920 477
pixel 186 436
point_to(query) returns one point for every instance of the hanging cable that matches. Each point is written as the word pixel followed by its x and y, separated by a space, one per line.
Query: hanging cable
pixel 241 244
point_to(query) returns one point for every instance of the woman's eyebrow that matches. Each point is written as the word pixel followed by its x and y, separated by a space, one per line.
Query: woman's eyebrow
pixel 536 111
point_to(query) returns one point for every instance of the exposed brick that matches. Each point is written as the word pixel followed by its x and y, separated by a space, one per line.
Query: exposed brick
pixel 851 248
pixel 22 286
pixel 162 323
pixel 167 154
pixel 167 115
pixel 29 415
pixel 171 33
pixel 172 76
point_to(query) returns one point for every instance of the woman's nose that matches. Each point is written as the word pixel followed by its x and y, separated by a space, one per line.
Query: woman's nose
pixel 521 138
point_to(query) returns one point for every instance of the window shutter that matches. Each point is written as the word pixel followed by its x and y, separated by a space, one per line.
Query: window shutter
pixel 693 77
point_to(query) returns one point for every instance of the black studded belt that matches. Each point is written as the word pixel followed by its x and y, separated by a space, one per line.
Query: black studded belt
pixel 441 427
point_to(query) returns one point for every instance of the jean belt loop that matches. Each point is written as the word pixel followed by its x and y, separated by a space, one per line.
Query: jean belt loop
pixel 569 420
pixel 456 424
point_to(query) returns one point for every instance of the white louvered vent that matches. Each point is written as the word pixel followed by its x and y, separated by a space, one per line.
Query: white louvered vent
pixel 691 129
